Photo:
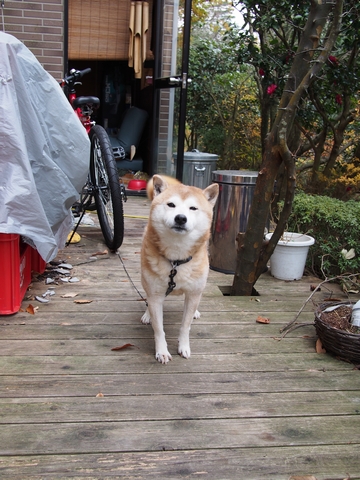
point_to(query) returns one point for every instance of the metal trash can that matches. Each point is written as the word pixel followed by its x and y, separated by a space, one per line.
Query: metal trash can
pixel 198 167
pixel 236 191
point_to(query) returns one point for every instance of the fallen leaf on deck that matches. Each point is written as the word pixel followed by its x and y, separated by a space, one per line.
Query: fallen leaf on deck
pixel 82 301
pixel 127 345
pixel 319 347
pixel 30 309
pixel 105 252
pixel 262 319
pixel 302 477
pixel 69 295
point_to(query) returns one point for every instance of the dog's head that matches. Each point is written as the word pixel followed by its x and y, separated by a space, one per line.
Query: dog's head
pixel 181 209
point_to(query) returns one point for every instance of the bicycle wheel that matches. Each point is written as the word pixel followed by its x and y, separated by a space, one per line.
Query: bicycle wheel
pixel 107 192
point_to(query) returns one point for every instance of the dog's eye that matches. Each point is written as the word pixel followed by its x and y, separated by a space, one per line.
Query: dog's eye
pixel 171 205
pixel 193 208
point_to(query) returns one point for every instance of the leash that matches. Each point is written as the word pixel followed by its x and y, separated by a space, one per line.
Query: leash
pixel 132 283
pixel 173 272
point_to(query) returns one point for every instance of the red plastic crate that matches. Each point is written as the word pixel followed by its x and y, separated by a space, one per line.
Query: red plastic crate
pixel 15 261
pixel 37 263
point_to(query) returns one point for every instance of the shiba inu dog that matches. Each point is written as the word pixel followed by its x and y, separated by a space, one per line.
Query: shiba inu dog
pixel 174 255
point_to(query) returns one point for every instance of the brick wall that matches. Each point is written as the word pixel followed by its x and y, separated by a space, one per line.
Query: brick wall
pixel 40 26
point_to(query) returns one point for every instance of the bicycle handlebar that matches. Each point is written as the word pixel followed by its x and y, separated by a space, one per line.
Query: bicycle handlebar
pixel 75 75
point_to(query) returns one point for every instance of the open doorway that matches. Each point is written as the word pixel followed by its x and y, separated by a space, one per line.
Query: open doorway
pixel 98 37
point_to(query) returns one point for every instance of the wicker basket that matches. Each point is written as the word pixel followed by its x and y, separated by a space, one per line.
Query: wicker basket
pixel 344 344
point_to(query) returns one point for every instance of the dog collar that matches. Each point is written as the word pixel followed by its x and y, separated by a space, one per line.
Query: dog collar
pixel 173 272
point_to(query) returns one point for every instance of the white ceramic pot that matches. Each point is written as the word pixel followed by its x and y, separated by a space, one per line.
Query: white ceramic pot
pixel 289 257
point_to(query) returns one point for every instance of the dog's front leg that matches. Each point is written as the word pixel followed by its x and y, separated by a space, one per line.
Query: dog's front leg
pixel 190 311
pixel 156 314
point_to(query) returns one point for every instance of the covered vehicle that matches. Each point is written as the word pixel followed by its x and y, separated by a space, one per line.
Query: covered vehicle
pixel 44 151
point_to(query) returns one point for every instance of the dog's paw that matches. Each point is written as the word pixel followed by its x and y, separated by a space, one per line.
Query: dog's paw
pixel 145 319
pixel 184 350
pixel 163 357
pixel 197 314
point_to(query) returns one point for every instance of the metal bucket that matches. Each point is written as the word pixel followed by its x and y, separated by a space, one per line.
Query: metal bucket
pixel 236 191
pixel 198 167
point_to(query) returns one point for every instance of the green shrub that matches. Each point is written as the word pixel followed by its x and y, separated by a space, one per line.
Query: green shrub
pixel 335 225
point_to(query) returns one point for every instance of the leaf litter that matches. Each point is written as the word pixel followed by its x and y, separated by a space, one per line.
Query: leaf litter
pixel 123 347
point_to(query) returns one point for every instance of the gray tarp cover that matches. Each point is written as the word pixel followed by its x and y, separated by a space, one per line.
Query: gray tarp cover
pixel 44 151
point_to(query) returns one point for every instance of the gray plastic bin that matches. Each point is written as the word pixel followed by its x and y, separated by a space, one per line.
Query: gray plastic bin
pixel 230 216
pixel 198 167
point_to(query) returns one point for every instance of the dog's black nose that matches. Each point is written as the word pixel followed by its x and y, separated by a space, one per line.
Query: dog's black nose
pixel 180 219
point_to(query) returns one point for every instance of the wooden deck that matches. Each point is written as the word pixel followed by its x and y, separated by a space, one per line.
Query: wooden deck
pixel 244 406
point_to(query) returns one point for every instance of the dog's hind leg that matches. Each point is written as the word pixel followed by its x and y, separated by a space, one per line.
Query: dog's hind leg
pixel 155 310
pixel 190 311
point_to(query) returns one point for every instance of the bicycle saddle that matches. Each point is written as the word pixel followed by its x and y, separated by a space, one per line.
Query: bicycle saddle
pixel 85 101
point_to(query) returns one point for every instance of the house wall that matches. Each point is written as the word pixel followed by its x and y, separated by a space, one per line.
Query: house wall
pixel 40 26
pixel 167 96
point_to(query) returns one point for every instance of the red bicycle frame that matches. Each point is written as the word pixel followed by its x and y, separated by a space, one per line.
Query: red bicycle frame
pixel 83 106
pixel 84 116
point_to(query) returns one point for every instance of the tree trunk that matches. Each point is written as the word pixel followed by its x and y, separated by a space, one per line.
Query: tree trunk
pixel 253 253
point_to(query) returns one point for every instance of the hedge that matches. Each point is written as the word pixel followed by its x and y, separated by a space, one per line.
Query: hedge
pixel 335 225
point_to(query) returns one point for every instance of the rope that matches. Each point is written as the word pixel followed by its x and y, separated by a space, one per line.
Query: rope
pixel 137 216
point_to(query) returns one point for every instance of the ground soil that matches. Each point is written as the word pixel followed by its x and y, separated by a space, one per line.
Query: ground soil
pixel 340 319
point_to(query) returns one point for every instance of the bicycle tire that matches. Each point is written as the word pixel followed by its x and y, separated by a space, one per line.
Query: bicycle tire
pixel 106 188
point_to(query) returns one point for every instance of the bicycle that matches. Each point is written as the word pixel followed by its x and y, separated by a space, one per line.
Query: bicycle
pixel 102 191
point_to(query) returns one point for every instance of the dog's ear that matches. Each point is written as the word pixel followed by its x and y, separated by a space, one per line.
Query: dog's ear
pixel 160 184
pixel 211 193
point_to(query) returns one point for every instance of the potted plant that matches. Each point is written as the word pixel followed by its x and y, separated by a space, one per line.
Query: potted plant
pixel 289 257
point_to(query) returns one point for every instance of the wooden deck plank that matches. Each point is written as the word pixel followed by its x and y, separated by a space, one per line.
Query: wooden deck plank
pixel 245 405
pixel 69 331
pixel 266 463
pixel 129 362
pixel 87 385
pixel 145 346
pixel 176 407
pixel 183 434
pixel 243 319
